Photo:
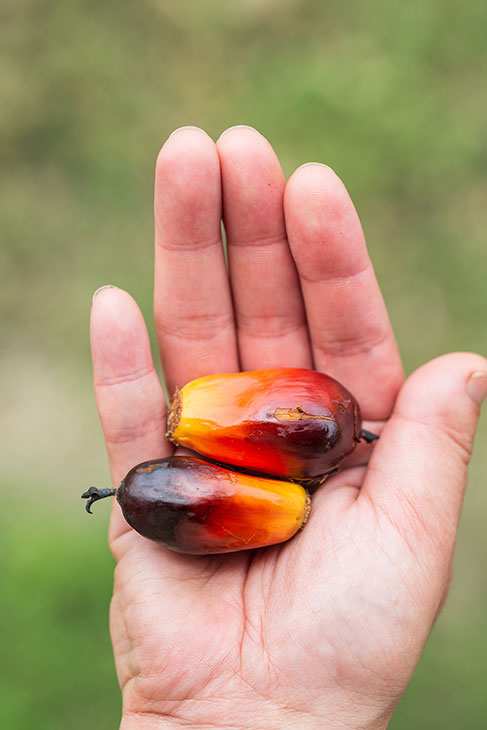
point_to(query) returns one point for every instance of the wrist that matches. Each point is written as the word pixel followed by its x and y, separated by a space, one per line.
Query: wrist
pixel 239 711
pixel 276 721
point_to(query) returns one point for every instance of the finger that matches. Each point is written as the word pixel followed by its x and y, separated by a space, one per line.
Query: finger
pixel 349 328
pixel 192 300
pixel 417 473
pixel 269 310
pixel 128 393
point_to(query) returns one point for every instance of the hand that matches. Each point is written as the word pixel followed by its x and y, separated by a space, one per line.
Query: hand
pixel 323 631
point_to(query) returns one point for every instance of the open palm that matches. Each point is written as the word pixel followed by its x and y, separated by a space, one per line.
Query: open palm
pixel 325 630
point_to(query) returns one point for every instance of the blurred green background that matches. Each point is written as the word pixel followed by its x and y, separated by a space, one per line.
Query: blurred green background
pixel 390 94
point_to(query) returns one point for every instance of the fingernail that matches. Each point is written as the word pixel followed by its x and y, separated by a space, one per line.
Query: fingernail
pixel 314 164
pixel 238 126
pixel 187 126
pixel 477 386
pixel 105 286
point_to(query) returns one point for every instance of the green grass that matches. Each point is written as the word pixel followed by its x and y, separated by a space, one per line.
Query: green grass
pixel 388 93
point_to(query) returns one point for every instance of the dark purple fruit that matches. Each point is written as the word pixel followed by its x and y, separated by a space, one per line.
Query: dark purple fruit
pixel 194 507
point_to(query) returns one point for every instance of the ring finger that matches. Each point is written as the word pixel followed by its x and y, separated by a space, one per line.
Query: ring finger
pixel 269 311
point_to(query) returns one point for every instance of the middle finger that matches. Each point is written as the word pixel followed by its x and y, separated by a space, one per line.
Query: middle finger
pixel 269 310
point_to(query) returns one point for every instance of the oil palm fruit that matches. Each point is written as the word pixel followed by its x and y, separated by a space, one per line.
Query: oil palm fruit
pixel 195 507
pixel 288 422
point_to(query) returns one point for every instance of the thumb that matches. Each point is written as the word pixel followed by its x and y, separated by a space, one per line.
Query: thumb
pixel 417 473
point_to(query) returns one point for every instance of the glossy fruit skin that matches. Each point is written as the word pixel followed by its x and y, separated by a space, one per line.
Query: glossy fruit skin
pixel 194 507
pixel 288 422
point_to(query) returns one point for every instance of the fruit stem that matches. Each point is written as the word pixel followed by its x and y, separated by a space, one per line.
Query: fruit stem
pixel 93 495
pixel 368 436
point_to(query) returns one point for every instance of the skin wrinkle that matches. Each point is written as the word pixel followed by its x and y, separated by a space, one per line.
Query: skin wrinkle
pixel 143 687
pixel 131 668
pixel 464 450
pixel 248 624
pixel 408 532
pixel 276 705
pixel 120 542
pixel 140 674
pixel 244 622
pixel 122 378
pixel 280 325
pixel 190 328
pixel 351 346
pixel 273 670
pixel 348 276
pixel 316 263
pixel 167 707
pixel 191 246
pixel 277 239
pixel 181 721
pixel 373 330
pixel 128 434
pixel 380 516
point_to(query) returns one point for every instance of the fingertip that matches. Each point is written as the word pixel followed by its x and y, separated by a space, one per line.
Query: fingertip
pixel 313 178
pixel 320 168
pixel 119 339
pixel 247 157
pixel 230 130
pixel 252 186
pixel 241 135
pixel 110 305
pixel 476 386
pixel 315 193
pixel 185 127
pixel 187 195
pixel 185 143
pixel 97 291
pixel 324 230
pixel 438 411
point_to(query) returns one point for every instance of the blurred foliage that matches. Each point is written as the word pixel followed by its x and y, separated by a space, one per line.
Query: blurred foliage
pixel 57 668
pixel 390 94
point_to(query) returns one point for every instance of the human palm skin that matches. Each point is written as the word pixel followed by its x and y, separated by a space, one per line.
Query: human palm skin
pixel 323 631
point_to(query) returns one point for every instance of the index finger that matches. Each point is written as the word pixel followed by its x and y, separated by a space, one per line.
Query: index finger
pixel 192 300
